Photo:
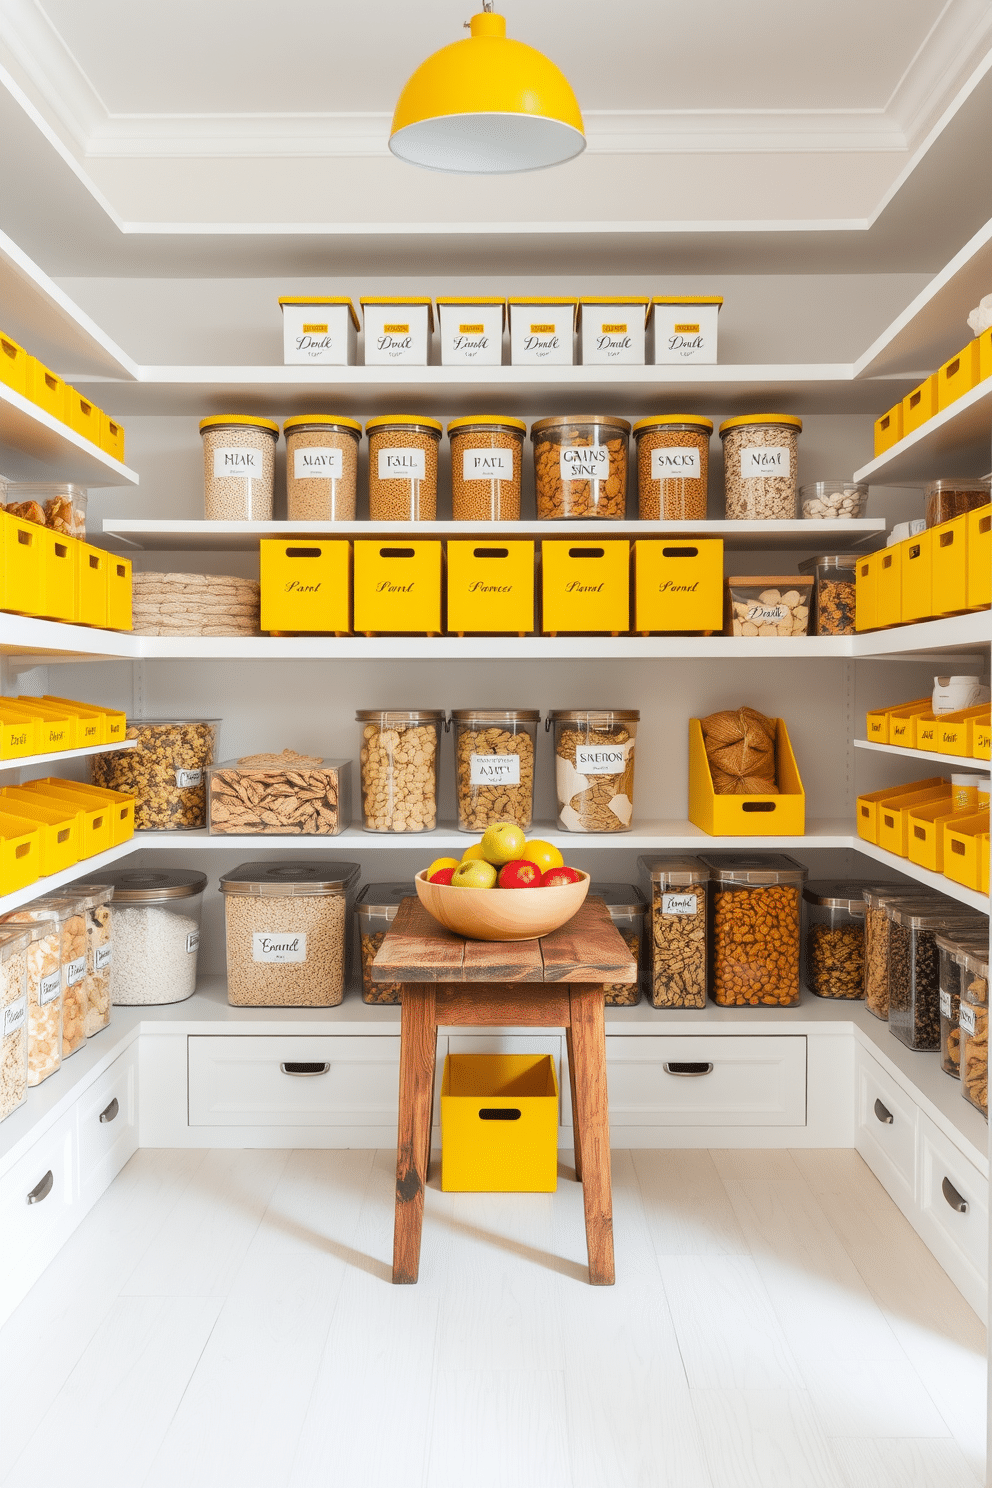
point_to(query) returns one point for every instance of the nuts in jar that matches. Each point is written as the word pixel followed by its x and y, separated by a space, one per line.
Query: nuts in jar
pixel 594 768
pixel 678 948
pixel 44 986
pixel 835 939
pixel 485 468
pixel 403 468
pixel 756 920
pixel 580 466
pixel 768 605
pixel 833 500
pixel 494 766
pixel 399 769
pixel 760 465
pixel 321 467
pixel 165 772
pixel 239 467
pixel 14 943
pixel 673 454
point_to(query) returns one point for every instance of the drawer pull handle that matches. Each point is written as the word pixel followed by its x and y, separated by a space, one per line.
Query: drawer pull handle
pixel 885 1116
pixel 43 1189
pixel 688 1069
pixel 110 1113
pixel 957 1203
pixel 304 1067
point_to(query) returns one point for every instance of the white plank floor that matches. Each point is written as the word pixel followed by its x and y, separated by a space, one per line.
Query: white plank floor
pixel 225 1320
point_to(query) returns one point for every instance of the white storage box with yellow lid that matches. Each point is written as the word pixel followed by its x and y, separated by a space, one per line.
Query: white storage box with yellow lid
pixel 471 330
pixel 613 329
pixel 318 331
pixel 684 328
pixel 397 330
pixel 542 332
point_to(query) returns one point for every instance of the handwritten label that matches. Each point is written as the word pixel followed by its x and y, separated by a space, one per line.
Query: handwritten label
pixel 767 614
pixel 487 464
pixel 192 940
pixel 15 1015
pixel 945 1004
pixel 402 464
pixel 766 460
pixel 238 462
pixel 318 463
pixel 103 957
pixel 584 462
pixel 599 760
pixel 495 769
pixel 188 779
pixel 49 987
pixel 678 904
pixel 966 1018
pixel 669 464
pixel 74 971
pixel 273 946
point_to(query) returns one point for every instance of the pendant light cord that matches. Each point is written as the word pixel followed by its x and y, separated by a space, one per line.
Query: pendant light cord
pixel 487 5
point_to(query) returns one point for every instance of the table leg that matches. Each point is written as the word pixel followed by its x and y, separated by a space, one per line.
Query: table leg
pixel 418 1058
pixel 588 1039
pixel 576 1139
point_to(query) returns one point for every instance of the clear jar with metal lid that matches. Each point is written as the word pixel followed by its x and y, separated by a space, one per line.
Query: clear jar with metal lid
pixel 626 907
pixel 399 762
pixel 72 912
pixel 287 932
pixel 974 1016
pixel 580 466
pixel 239 468
pixel 375 911
pixel 321 467
pixel 673 458
pixel 760 466
pixel 877 901
pixel 946 499
pixel 44 985
pixel 156 923
pixel 403 468
pixel 495 750
pixel 757 918
pixel 486 456
pixel 950 950
pixel 594 767
pixel 14 944
pixel 833 594
pixel 914 970
pixel 835 939
pixel 678 958
pixel 95 901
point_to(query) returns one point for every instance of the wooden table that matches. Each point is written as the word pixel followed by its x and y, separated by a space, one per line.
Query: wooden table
pixel 555 982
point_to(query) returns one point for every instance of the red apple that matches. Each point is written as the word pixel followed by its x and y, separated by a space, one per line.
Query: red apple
pixel 557 878
pixel 520 874
pixel 442 876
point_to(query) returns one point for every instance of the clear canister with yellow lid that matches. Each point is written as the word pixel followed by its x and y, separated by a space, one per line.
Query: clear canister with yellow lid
pixel 486 457
pixel 239 468
pixel 321 467
pixel 580 466
pixel 403 468
pixel 761 466
pixel 673 451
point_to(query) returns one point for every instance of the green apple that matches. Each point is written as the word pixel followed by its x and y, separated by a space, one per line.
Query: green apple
pixel 475 874
pixel 503 843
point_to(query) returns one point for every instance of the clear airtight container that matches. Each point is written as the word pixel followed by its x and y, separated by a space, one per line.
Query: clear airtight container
pixel 580 467
pixel 321 467
pixel 403 468
pixel 626 907
pixel 239 468
pixel 486 457
pixel 166 772
pixel 834 594
pixel 760 466
pixel 495 751
pixel 72 911
pixel 156 925
pixel 975 1028
pixel 375 911
pixel 678 951
pixel 877 903
pixel 594 767
pixel 14 945
pixel 950 952
pixel 914 971
pixel 952 498
pixel 94 899
pixel 673 455
pixel 57 505
pixel 834 501
pixel 44 986
pixel 399 762
pixel 835 939
pixel 287 932
pixel 757 915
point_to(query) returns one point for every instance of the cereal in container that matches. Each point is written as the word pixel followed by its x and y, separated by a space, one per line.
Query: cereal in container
pixel 165 772
pixel 673 456
pixel 321 467
pixel 239 465
pixel 594 767
pixel 760 466
pixel 678 955
pixel 834 595
pixel 486 454
pixel 580 466
pixel 72 911
pixel 835 939
pixel 44 985
pixel 95 902
pixel 495 751
pixel 757 911
pixel 14 943
pixel 974 1017
pixel 626 907
pixel 399 765
pixel 877 903
pixel 375 911
pixel 403 468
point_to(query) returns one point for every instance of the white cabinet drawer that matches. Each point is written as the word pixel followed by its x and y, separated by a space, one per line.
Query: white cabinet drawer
pixel 37 1201
pixel 254 1081
pixel 954 1209
pixel 885 1128
pixel 108 1124
pixel 759 1081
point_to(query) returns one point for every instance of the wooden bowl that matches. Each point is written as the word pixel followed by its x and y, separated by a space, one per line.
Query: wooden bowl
pixel 501 914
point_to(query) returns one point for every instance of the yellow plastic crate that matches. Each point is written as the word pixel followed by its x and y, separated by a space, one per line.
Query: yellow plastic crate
pixel 112 437
pixel 955 731
pixel 916 569
pixel 60 582
pixel 57 825
pixel 925 731
pixel 46 389
pixel 888 601
pixel 82 416
pixel 13 365
pixel 866 592
pixel 678 585
pixel 866 810
pixel 958 375
pixel 585 587
pixel 18 733
pixel 20 853
pixel 91 581
pixel 93 816
pixel 23 567
pixel 893 817
pixel 919 405
pixel 902 723
pixel 964 847
pixel 949 562
pixel 491 587
pixel 925 834
pixel 981 736
pixel 57 727
pixel 983 863
pixel 783 815
pixel 94 723
pixel 877 721
pixel 119 594
pixel 888 429
pixel 980 558
pixel 118 804
pixel 398 587
pixel 499 1124
pixel 306 585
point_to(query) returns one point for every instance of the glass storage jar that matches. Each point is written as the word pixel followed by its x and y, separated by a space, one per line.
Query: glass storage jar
pixel 835 939
pixel 287 932
pixel 399 764
pixel 57 505
pixel 72 921
pixel 757 917
pixel 580 467
pixel 14 943
pixel 375 911
pixel 44 986
pixel 843 501
pixel 914 970
pixel 760 466
pixel 952 498
pixel 833 593
pixel 877 901
pixel 486 456
pixel 949 951
pixel 156 923
pixel 594 767
pixel 975 1027
pixel 673 458
pixel 321 467
pixel 403 468
pixel 94 898
pixel 165 772
pixel 626 907
pixel 678 955
pixel 495 751
pixel 239 468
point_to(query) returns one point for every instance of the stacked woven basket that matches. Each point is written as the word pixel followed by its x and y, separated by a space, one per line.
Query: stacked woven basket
pixel 193 604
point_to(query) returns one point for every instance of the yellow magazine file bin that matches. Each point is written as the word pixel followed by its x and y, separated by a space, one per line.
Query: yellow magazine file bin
pixel 306 586
pixel 93 816
pixel 19 853
pixel 57 725
pixel 93 723
pixel 585 587
pixel 981 736
pixel 783 815
pixel 877 721
pixel 963 843
pixel 902 723
pixel 866 593
pixel 925 736
pixel 57 825
pixel 866 808
pixel 23 566
pixel 499 1124
pixel 678 585
pixel 18 733
pixel 925 834
pixel 491 587
pixel 398 587
pixel 115 721
pixel 916 568
pixel 955 731
pixel 893 817
pixel 980 558
pixel 949 564
pixel 118 593
pixel 91 581
pixel 119 805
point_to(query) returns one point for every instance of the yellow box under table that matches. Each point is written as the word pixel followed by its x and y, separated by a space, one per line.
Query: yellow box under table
pixel 925 834
pixel 949 565
pixel 91 580
pixel 916 578
pixel 306 586
pixel 919 405
pixel 13 365
pixel 893 816
pixel 491 587
pixel 877 721
pixel 92 815
pixel 20 853
pixel 958 375
pixel 23 564
pixel 499 1124
pixel 398 587
pixel 119 594
pixel 866 592
pixel 888 430
pixel 118 805
pixel 56 822
pixel 888 601
pixel 678 585
pixel 980 558
pixel 585 587
pixel 964 846
pixel 867 808
pixel 60 577
pixel 783 815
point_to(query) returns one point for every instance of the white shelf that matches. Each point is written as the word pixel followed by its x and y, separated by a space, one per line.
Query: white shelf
pixel 925 756
pixel 954 634
pixel 34 446
pixel 31 760
pixel 27 639
pixel 956 442
pixel 87 870
pixel 923 875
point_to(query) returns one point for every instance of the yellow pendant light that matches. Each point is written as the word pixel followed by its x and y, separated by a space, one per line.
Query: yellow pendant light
pixel 487 105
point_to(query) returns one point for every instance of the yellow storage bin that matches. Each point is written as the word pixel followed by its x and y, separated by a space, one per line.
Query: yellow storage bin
pixel 585 587
pixel 23 567
pixel 678 585
pixel 919 405
pixel 888 603
pixel 499 1124
pixel 119 593
pixel 491 587
pixel 982 847
pixel 877 721
pixel 93 816
pixel 916 570
pixel 57 727
pixel 91 580
pixel 94 723
pixel 888 429
pixel 118 804
pixel 13 365
pixel 783 815
pixel 958 375
pixel 20 853
pixel 955 731
pixel 925 834
pixel 60 577
pixel 985 354
pixel 306 586
pixel 56 822
pixel 902 723
pixel 964 845
pixel 82 416
pixel 46 389
pixel 398 587
pixel 18 732
pixel 949 563
pixel 979 558
pixel 867 808
pixel 112 437
pixel 925 731
pixel 981 736
pixel 893 816
pixel 866 592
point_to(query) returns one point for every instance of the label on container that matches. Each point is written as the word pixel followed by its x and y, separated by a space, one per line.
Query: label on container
pixel 238 462
pixel 318 463
pixel 966 1018
pixel 274 945
pixel 945 1004
pixel 15 1015
pixel 402 464
pixel 676 464
pixel 584 462
pixel 678 904
pixel 599 759
pixel 487 464
pixel 192 940
pixel 75 971
pixel 764 460
pixel 767 614
pixel 49 987
pixel 103 957
pixel 495 769
pixel 187 779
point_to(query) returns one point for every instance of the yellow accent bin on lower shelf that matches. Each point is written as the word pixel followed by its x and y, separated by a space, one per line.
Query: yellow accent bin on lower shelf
pixel 306 585
pixel 981 736
pixel 56 822
pixel 893 817
pixel 18 733
pixel 877 720
pixel 19 854
pixel 783 815
pixel 60 584
pixel 925 834
pixel 92 815
pixel 866 810
pixel 22 568
pixel 118 804
pixel 499 1124
pixel 962 844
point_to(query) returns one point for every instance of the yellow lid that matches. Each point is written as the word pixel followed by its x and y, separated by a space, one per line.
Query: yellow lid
pixel 470 300
pixel 687 300
pixel 789 419
pixel 659 420
pixel 404 420
pixel 547 300
pixel 591 300
pixel 221 420
pixel 401 300
pixel 300 419
pixel 321 300
pixel 488 419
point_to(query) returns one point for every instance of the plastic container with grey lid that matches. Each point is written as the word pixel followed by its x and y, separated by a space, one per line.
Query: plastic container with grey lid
pixel 678 956
pixel 625 903
pixel 156 926
pixel 375 911
pixel 757 918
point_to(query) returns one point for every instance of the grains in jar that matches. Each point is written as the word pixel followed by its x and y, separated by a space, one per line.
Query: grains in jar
pixel 166 772
pixel 44 986
pixel 239 468
pixel 494 766
pixel 952 498
pixel 580 466
pixel 399 769
pixel 673 453
pixel 321 468
pixel 760 466
pixel 594 768
pixel 485 468
pixel 403 468
pixel 757 902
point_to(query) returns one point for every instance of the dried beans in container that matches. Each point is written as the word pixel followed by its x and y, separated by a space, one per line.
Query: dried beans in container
pixel 678 954
pixel 673 455
pixel 403 468
pixel 951 950
pixel 757 914
pixel 239 468
pixel 321 467
pixel 486 456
